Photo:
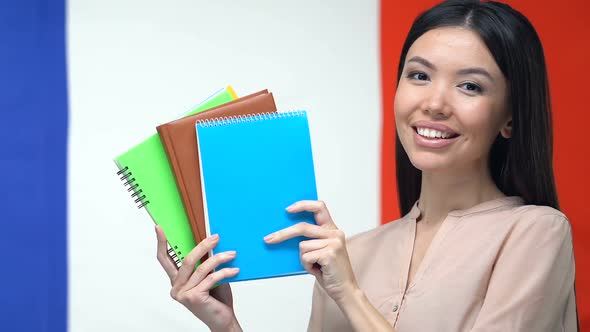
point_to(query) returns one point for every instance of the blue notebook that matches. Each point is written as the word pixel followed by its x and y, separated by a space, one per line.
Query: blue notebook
pixel 252 168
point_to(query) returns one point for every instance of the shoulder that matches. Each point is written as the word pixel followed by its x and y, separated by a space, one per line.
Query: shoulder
pixel 513 213
pixel 378 238
pixel 540 217
pixel 536 226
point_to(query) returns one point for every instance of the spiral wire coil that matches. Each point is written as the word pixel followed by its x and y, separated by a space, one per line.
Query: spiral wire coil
pixel 126 176
pixel 235 119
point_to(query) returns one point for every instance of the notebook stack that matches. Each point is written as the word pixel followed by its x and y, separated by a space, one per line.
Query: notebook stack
pixel 230 167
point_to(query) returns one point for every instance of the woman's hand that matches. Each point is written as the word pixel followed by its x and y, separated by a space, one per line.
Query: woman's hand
pixel 325 255
pixel 193 288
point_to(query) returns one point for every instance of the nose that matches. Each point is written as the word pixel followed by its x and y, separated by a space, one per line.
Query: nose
pixel 435 102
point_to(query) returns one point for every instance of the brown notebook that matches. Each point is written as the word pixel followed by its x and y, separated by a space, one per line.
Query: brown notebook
pixel 179 138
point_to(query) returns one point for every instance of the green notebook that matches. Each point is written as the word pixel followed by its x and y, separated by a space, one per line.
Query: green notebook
pixel 147 175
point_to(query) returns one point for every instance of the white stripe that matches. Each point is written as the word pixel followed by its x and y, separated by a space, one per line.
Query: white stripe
pixel 135 64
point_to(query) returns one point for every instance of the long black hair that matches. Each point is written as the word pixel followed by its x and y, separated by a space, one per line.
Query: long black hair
pixel 522 165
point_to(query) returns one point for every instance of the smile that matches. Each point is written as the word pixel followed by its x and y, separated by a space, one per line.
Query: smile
pixel 433 133
pixel 433 138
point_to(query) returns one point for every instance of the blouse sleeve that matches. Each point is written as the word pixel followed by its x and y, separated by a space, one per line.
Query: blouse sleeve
pixel 531 287
pixel 317 316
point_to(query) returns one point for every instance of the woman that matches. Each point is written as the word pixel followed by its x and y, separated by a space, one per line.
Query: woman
pixel 482 245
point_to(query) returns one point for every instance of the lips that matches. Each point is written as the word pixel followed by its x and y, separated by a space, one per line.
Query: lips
pixel 433 135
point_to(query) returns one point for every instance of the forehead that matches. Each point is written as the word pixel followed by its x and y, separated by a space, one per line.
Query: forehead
pixel 453 46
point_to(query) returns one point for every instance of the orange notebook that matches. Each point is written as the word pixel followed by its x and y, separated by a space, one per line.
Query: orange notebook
pixel 180 143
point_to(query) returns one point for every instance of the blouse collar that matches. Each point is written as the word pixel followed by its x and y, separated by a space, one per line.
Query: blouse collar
pixel 481 207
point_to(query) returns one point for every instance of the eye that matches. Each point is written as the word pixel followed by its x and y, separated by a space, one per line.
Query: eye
pixel 471 87
pixel 418 76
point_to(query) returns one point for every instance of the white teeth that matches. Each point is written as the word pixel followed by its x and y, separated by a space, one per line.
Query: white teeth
pixel 431 133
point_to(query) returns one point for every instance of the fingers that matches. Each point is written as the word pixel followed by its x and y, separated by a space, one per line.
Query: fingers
pixel 300 229
pixel 207 266
pixel 215 277
pixel 311 245
pixel 162 254
pixel 188 265
pixel 319 252
pixel 311 261
pixel 319 209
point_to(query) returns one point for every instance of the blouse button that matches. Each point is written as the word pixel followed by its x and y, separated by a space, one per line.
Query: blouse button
pixel 395 307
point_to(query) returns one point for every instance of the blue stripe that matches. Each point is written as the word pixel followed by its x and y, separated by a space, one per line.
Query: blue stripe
pixel 33 143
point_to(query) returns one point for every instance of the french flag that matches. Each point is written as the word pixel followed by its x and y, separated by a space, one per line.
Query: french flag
pixel 82 81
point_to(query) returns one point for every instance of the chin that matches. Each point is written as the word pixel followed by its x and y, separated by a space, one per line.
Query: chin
pixel 428 162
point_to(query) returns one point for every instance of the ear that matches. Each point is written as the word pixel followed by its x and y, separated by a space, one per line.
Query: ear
pixel 506 130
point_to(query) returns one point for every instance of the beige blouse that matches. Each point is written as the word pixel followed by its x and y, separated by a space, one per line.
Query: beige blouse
pixel 498 266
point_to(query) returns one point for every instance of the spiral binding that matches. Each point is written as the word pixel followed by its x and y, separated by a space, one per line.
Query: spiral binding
pixel 177 260
pixel 140 198
pixel 234 119
pixel 138 195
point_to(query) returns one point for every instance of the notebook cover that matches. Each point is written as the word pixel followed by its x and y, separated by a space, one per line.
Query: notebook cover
pixel 252 169
pixel 145 171
pixel 180 144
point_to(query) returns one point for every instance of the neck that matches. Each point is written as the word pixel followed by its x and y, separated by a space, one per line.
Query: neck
pixel 442 193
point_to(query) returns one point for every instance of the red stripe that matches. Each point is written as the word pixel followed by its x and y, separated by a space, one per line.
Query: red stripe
pixel 564 31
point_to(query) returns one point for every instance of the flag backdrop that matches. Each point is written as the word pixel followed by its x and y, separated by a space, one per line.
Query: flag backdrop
pixel 78 89
pixel 34 115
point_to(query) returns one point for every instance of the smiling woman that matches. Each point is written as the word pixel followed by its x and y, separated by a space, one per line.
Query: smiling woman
pixel 482 245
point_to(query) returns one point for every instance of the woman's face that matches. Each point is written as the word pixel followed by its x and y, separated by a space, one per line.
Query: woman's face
pixel 451 101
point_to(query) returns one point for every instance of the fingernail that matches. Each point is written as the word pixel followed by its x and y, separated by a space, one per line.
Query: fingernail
pixel 269 237
pixel 231 253
pixel 214 237
pixel 290 207
pixel 235 269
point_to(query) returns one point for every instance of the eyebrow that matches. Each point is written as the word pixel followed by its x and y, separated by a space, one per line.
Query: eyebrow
pixel 477 71
pixel 465 71
pixel 422 61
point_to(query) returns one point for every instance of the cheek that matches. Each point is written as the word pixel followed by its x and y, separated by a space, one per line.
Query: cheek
pixel 403 107
pixel 483 124
pixel 402 103
pixel 401 114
